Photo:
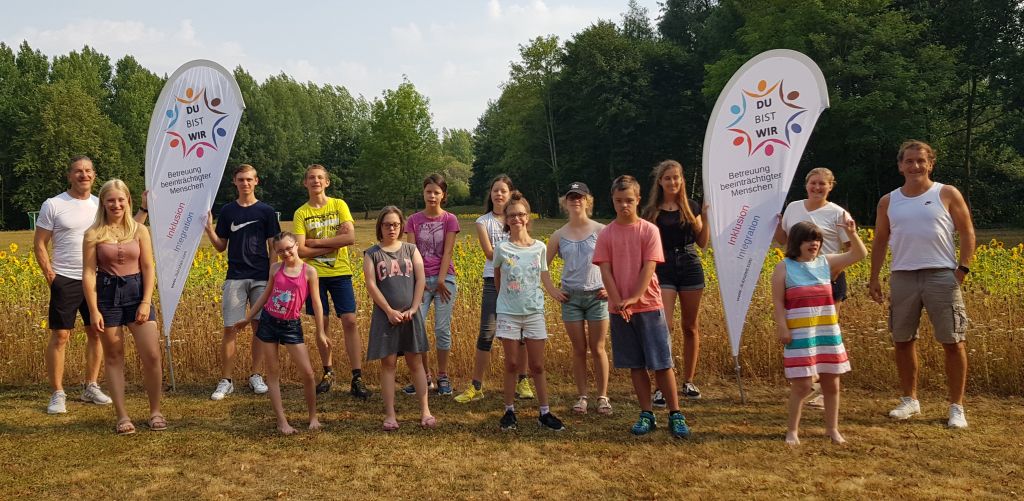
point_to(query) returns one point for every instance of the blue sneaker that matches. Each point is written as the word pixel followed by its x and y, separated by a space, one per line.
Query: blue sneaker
pixel 645 424
pixel 677 423
pixel 444 386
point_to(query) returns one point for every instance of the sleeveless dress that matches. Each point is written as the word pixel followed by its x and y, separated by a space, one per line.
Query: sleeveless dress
pixel 817 345
pixel 396 280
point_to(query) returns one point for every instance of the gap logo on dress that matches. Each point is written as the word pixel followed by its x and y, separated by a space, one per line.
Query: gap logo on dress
pixel 394 268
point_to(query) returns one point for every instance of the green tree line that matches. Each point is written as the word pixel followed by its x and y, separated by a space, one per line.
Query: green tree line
pixel 617 97
pixel 614 98
pixel 377 151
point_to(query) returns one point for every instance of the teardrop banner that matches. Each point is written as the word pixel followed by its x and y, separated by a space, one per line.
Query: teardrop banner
pixel 761 123
pixel 190 135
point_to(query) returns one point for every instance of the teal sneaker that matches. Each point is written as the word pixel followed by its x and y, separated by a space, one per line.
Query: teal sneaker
pixel 645 424
pixel 677 423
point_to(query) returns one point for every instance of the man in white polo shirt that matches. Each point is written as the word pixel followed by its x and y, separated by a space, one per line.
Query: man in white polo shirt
pixel 919 221
pixel 63 220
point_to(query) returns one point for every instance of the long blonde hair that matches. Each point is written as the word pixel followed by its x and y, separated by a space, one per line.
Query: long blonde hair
pixel 102 229
pixel 653 208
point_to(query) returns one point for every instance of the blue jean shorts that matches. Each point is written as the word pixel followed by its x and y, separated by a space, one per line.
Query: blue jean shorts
pixel 118 298
pixel 641 343
pixel 340 290
pixel 584 305
pixel 279 331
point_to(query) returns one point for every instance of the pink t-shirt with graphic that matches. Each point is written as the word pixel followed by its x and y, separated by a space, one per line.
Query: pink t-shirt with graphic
pixel 430 232
pixel 627 247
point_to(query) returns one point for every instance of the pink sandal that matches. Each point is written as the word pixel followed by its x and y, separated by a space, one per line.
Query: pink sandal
pixel 428 422
pixel 390 425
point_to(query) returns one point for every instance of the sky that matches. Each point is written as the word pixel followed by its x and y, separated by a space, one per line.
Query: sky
pixel 455 52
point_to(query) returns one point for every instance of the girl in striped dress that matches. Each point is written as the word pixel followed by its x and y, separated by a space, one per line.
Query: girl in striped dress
pixel 806 322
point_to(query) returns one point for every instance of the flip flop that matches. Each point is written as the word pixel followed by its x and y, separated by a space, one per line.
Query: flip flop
pixel 390 425
pixel 124 427
pixel 428 422
pixel 157 422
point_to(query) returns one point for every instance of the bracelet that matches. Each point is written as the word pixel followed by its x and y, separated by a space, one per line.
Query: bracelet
pixel 143 209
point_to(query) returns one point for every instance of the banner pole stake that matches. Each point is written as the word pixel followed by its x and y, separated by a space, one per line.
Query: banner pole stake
pixel 170 361
pixel 739 379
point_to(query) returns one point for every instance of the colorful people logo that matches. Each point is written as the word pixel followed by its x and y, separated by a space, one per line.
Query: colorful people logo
pixel 759 114
pixel 199 111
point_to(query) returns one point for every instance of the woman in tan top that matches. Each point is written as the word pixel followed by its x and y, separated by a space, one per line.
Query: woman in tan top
pixel 118 278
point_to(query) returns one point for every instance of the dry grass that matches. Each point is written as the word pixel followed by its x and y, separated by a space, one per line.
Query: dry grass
pixel 228 450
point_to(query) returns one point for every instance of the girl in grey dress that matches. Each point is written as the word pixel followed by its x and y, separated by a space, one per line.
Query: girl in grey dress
pixel 394 276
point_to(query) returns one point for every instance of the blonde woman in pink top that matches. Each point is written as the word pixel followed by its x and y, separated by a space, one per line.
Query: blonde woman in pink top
pixel 117 278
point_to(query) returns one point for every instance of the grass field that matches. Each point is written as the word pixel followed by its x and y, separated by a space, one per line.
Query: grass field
pixel 229 450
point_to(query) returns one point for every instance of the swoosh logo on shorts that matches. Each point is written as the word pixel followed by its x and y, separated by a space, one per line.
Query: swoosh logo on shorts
pixel 237 227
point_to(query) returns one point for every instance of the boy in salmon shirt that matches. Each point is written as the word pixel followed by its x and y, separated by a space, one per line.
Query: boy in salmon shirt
pixel 627 251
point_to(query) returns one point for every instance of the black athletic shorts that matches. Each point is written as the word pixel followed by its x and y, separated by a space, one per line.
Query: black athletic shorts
pixel 66 299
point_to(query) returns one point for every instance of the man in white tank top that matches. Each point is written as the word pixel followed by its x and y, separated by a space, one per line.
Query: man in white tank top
pixel 918 221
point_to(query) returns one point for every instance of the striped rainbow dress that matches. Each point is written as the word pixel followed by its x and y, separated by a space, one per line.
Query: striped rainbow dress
pixel 817 345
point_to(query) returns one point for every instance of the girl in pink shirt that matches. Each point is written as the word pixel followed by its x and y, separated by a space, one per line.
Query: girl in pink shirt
pixel 280 307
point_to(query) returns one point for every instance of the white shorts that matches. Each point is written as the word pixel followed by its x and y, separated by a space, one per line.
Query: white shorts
pixel 519 327
pixel 237 295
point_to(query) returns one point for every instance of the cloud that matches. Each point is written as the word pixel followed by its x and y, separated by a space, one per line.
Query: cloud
pixel 408 36
pixel 494 9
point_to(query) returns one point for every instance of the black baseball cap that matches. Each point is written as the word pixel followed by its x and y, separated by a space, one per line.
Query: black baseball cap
pixel 579 188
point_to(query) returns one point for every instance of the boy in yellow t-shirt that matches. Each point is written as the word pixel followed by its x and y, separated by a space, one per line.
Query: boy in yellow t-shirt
pixel 324 227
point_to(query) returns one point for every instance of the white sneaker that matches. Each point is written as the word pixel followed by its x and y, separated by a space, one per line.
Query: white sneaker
pixel 224 388
pixel 91 392
pixel 957 419
pixel 57 403
pixel 907 407
pixel 257 384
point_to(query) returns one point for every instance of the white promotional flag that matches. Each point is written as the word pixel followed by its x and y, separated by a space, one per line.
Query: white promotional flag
pixel 190 135
pixel 758 130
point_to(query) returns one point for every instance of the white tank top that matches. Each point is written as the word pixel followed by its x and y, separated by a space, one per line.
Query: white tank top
pixel 921 231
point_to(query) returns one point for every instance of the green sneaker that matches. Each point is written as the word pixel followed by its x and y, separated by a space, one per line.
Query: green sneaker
pixel 524 391
pixel 470 395
pixel 677 424
pixel 645 424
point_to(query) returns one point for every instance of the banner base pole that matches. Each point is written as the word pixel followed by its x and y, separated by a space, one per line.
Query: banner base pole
pixel 739 380
pixel 170 362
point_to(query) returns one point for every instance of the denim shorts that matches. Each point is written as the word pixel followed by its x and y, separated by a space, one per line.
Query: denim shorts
pixel 584 305
pixel 641 343
pixel 681 271
pixel 118 298
pixel 839 288
pixel 278 331
pixel 340 290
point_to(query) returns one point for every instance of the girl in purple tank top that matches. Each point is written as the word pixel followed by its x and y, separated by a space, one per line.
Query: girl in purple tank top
pixel 290 282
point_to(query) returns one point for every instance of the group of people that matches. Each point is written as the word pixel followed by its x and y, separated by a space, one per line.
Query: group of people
pixel 623 278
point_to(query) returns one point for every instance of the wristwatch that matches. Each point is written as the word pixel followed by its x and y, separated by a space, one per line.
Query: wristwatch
pixel 963 269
